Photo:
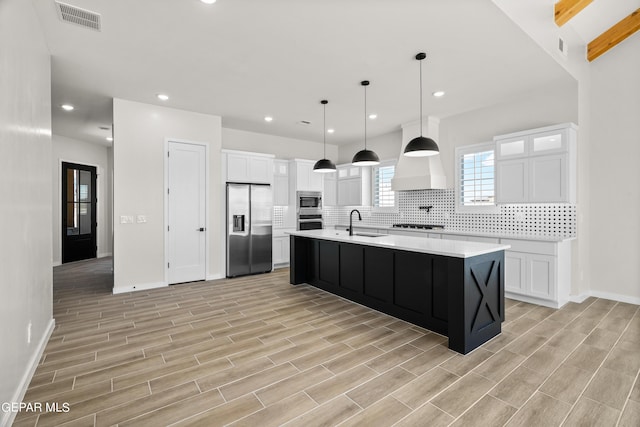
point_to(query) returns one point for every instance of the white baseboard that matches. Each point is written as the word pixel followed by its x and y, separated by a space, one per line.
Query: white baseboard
pixel 532 300
pixel 579 299
pixel 615 297
pixel 215 277
pixel 141 287
pixel 56 263
pixel 7 418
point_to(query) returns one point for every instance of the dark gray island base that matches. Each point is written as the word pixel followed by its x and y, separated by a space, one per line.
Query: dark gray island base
pixel 460 297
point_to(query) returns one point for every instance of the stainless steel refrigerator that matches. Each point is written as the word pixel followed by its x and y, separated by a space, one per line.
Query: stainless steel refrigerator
pixel 249 212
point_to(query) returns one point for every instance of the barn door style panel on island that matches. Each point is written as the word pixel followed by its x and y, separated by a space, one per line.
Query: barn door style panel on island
pixel 462 298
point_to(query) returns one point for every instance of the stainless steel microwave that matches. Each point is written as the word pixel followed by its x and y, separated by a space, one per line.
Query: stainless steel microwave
pixel 308 200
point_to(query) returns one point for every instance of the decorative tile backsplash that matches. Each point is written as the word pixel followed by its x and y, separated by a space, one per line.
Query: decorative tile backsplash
pixel 279 216
pixel 544 220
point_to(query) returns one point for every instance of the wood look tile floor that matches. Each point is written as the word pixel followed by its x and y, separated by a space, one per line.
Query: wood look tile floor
pixel 256 351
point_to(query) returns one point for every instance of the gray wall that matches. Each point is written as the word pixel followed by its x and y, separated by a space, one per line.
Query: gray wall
pixel 545 107
pixel 614 203
pixel 25 198
pixel 281 147
pixel 74 151
pixel 138 188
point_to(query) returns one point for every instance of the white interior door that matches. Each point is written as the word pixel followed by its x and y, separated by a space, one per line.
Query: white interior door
pixel 187 212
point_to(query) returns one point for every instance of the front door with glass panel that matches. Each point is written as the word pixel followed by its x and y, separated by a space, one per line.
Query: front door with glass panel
pixel 78 212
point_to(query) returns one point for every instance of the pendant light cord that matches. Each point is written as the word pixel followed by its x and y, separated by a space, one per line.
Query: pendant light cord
pixel 324 129
pixel 420 97
pixel 365 117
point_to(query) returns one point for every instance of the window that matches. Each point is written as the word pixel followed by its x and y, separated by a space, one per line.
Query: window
pixel 475 178
pixel 383 197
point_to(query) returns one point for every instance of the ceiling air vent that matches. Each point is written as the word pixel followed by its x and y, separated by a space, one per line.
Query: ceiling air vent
pixel 75 15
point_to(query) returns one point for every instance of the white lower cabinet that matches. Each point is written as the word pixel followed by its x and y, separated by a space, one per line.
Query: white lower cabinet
pixel 514 272
pixel 538 272
pixel 400 232
pixel 455 237
pixel 281 251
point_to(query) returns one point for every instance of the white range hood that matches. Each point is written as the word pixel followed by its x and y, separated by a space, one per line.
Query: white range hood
pixel 419 173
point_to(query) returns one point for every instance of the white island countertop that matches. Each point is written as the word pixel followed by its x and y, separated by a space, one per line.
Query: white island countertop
pixel 452 248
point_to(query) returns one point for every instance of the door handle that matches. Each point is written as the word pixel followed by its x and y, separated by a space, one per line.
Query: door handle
pixel 201 229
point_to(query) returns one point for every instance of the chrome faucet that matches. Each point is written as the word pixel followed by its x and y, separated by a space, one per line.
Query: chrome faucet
pixel 351 220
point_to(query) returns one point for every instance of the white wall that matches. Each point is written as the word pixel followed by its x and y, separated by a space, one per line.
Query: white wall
pixel 25 198
pixel 539 109
pixel 74 151
pixel 281 147
pixel 138 176
pixel 386 146
pixel 614 226
pixel 542 108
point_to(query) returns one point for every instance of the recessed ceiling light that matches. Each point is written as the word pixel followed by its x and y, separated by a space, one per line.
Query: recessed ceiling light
pixel 163 97
pixel 330 130
pixel 268 118
pixel 109 138
pixel 373 116
pixel 438 93
pixel 208 1
pixel 67 107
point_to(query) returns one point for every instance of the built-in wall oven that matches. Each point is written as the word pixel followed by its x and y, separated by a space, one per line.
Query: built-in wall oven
pixel 309 210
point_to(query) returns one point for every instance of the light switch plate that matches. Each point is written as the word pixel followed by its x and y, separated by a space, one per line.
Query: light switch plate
pixel 140 219
pixel 126 219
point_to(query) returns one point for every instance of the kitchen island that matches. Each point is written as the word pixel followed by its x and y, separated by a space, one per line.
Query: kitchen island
pixel 454 288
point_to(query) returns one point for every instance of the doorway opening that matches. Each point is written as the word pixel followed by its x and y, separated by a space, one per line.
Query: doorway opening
pixel 79 204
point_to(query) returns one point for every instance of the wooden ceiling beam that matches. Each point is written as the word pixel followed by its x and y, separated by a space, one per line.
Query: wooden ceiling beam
pixel 613 35
pixel 567 9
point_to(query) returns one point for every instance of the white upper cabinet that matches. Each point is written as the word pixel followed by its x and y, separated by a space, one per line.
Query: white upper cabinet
pixel 330 195
pixel 280 182
pixel 548 179
pixel 249 167
pixel 509 148
pixel 537 166
pixel 512 181
pixel 354 185
pixel 303 177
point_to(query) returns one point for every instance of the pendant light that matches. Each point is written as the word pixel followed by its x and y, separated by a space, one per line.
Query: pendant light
pixel 324 165
pixel 421 146
pixel 365 157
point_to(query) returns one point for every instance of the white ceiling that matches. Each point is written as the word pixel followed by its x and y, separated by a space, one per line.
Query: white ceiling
pixel 244 59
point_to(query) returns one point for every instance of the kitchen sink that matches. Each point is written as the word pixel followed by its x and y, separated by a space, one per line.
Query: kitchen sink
pixel 368 235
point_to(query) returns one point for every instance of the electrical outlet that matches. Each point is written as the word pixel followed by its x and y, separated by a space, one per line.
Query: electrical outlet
pixel 447 215
pixel 520 216
pixel 140 219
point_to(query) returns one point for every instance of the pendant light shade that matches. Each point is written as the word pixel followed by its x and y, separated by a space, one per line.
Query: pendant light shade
pixel 421 146
pixel 324 165
pixel 365 157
